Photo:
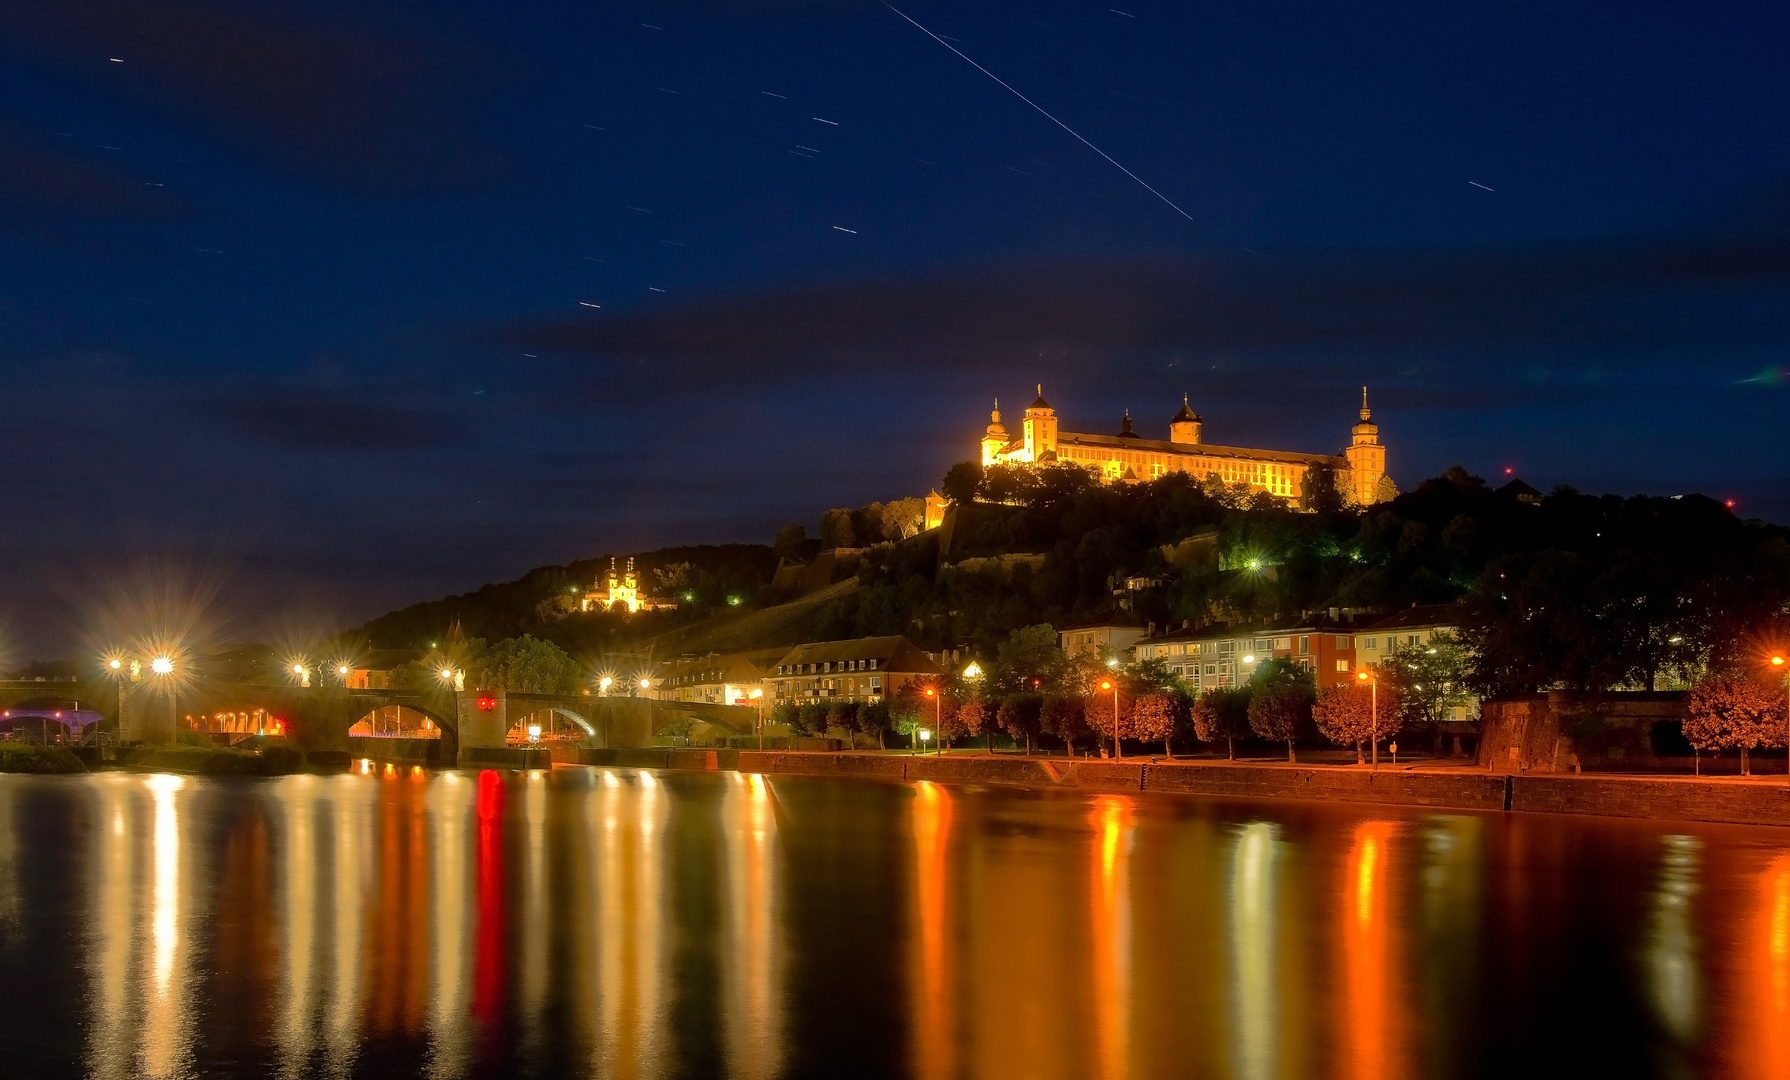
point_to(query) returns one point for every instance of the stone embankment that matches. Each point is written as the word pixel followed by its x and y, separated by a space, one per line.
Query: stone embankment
pixel 1755 801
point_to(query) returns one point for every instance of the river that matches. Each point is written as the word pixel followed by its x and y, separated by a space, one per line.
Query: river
pixel 621 923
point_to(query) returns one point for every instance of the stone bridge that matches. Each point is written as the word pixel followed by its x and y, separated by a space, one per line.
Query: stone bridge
pixel 319 718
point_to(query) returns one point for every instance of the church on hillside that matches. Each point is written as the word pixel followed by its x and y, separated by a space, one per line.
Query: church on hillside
pixel 1128 456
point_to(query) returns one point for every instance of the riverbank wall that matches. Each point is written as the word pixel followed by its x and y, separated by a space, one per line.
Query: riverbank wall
pixel 1726 800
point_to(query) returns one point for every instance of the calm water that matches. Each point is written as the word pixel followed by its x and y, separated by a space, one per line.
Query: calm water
pixel 631 924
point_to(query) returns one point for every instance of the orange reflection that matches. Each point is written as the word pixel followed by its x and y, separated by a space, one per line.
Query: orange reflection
pixel 624 1006
pixel 754 974
pixel 931 981
pixel 1767 1014
pixel 1111 935
pixel 1369 939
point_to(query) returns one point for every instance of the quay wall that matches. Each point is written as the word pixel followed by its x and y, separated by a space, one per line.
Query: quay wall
pixel 1730 800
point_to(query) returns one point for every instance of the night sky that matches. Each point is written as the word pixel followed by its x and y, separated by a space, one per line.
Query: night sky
pixel 295 299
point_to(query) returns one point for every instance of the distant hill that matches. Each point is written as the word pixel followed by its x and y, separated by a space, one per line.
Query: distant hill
pixel 704 579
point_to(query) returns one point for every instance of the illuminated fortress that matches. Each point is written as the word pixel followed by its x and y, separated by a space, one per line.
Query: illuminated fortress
pixel 1360 468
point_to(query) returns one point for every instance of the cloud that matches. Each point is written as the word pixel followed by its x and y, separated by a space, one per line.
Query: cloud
pixel 1694 290
pixel 347 419
pixel 337 101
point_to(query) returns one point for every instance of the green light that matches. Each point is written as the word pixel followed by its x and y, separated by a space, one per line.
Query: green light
pixel 733 601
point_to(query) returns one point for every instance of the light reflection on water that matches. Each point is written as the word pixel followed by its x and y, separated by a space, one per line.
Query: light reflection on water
pixel 626 924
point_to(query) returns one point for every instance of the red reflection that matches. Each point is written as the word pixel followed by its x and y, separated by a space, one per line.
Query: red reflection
pixel 1768 987
pixel 487 990
pixel 1369 964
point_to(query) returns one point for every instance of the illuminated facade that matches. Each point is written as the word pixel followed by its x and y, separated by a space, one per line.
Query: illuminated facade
pixel 621 593
pixel 1128 457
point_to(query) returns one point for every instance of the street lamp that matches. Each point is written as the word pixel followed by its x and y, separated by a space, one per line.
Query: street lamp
pixel 1373 713
pixel 604 684
pixel 162 665
pixel 1113 685
pixel 938 716
pixel 757 696
pixel 1778 661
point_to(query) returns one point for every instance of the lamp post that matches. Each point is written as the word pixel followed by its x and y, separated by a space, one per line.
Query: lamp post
pixel 757 696
pixel 1777 661
pixel 1113 685
pixel 1373 713
pixel 938 716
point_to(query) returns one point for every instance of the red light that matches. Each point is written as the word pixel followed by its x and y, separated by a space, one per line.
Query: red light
pixel 1507 472
pixel 487 703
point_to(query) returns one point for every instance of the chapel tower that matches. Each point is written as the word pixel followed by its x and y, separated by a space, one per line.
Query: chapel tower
pixel 1367 458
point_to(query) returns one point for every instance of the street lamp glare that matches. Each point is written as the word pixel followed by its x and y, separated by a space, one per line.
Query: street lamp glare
pixel 1777 661
pixel 116 664
pixel 1250 659
pixel 1113 663
pixel 341 669
pixel 646 683
pixel 298 669
pixel 162 665
pixel 1105 685
pixel 447 673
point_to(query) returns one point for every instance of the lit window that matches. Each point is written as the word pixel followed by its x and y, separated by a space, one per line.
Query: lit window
pixel 1342 665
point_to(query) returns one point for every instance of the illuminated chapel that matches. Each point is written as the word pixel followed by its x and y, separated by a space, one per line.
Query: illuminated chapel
pixel 1360 467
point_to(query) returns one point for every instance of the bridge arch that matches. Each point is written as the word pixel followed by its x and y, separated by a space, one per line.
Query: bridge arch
pixel 518 731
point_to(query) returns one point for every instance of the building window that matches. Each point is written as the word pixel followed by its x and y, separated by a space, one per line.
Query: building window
pixel 1342 641
pixel 1282 643
pixel 1342 665
pixel 1304 645
pixel 1371 643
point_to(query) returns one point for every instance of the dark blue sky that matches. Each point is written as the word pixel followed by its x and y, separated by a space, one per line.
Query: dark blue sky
pixel 291 295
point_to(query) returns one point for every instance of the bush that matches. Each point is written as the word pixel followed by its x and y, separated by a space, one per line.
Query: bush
pixel 32 758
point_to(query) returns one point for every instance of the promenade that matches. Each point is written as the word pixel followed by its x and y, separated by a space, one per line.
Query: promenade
pixel 1441 785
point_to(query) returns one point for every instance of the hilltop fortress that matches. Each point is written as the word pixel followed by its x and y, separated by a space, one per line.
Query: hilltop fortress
pixel 1360 468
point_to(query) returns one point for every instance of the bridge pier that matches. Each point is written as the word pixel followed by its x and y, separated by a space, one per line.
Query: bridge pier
pixel 146 713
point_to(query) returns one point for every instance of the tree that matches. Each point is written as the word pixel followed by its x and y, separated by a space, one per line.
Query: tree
pixel 1028 661
pixel 1319 493
pixel 1280 700
pixel 1152 718
pixel 524 665
pixel 1345 714
pixel 973 719
pixel 1425 680
pixel 1021 716
pixel 961 482
pixel 1222 713
pixel 842 716
pixel 1064 715
pixel 1099 714
pixel 1734 711
pixel 874 718
pixel 904 717
pixel 902 518
pixel 836 530
pixel 787 714
pixel 791 542
pixel 811 718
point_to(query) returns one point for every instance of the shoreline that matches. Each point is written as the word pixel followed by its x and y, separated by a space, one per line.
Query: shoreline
pixel 1717 800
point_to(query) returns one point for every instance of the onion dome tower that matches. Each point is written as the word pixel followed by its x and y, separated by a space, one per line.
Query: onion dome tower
pixel 1040 430
pixel 1186 425
pixel 1367 458
pixel 995 437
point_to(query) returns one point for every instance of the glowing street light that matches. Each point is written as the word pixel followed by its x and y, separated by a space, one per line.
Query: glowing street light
pixel 757 696
pixel 162 665
pixel 1373 712
pixel 1778 661
pixel 1113 685
pixel 604 684
pixel 938 716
